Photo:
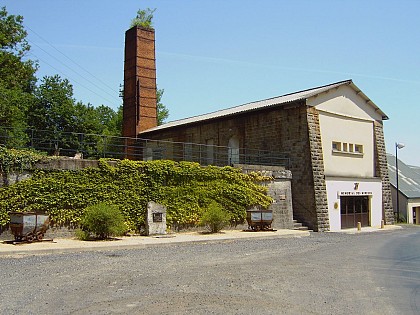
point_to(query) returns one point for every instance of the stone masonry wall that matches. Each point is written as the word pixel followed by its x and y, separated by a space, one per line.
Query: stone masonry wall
pixel 283 130
pixel 317 161
pixel 280 189
pixel 381 168
pixel 296 141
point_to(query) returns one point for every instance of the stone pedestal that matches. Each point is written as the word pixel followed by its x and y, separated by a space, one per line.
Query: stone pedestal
pixel 156 219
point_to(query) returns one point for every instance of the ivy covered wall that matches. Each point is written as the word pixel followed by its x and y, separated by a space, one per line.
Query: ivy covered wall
pixel 185 188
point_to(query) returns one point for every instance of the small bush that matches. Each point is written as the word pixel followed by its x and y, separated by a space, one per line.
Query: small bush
pixel 103 220
pixel 214 218
pixel 82 235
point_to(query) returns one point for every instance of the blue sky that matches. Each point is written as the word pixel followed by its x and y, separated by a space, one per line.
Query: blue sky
pixel 214 54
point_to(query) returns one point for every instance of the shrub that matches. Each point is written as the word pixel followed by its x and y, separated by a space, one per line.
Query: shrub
pixel 214 218
pixel 82 235
pixel 103 220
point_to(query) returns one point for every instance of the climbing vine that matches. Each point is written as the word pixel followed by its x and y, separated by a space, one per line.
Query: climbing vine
pixel 12 160
pixel 185 188
pixel 18 160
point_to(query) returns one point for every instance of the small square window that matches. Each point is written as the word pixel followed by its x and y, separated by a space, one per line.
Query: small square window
pixel 345 147
pixel 336 146
pixel 358 148
pixel 350 147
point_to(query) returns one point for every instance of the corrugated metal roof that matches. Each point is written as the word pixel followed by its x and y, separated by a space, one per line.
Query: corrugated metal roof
pixel 275 101
pixel 408 177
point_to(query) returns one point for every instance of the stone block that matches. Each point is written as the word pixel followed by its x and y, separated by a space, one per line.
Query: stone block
pixel 156 219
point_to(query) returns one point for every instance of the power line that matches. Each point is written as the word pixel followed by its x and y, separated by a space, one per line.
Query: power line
pixel 74 62
pixel 84 69
pixel 112 95
pixel 72 79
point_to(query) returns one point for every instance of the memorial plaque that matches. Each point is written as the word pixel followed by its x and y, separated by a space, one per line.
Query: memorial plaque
pixel 157 217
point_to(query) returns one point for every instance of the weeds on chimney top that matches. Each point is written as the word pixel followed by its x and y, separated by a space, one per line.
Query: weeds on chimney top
pixel 144 18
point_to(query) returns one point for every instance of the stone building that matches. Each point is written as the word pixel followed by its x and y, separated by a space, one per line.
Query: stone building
pixel 332 135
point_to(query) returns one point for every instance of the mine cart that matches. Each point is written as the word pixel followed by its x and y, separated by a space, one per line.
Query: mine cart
pixel 259 219
pixel 28 226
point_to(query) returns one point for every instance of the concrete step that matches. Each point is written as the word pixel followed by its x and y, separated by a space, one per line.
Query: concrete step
pixel 298 226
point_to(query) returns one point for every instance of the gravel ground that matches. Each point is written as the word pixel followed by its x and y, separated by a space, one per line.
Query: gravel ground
pixel 325 273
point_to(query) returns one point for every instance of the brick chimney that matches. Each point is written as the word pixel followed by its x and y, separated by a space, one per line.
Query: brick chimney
pixel 139 107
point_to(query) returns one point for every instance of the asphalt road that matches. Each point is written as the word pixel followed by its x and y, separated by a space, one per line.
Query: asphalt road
pixel 325 273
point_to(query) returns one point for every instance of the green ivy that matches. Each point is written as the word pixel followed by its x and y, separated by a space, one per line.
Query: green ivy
pixel 12 160
pixel 185 188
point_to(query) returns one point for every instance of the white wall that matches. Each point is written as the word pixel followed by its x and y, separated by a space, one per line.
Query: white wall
pixel 346 117
pixel 345 101
pixel 350 131
pixel 365 185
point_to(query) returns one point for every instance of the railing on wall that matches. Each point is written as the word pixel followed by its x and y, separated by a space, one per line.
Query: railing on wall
pixel 93 146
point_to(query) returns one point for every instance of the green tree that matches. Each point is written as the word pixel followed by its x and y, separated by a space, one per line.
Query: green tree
pixel 85 118
pixel 15 72
pixel 49 108
pixel 117 121
pixel 96 124
pixel 108 120
pixel 88 125
pixel 162 111
pixel 17 79
pixel 53 114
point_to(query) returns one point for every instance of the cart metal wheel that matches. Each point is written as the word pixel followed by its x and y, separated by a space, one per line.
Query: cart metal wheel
pixel 30 238
pixel 39 236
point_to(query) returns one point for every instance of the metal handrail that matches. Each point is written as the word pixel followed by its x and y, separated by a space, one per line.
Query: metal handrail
pixel 94 146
